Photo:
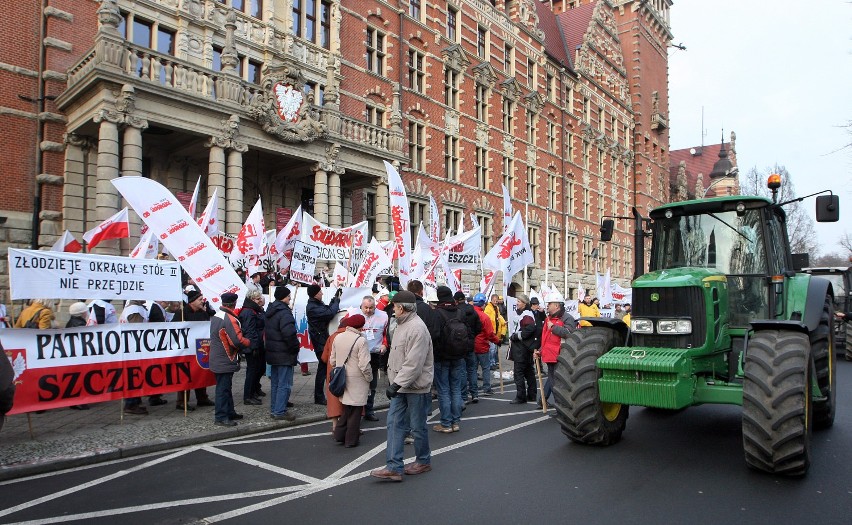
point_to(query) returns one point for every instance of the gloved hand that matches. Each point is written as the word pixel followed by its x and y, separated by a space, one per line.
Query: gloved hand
pixel 392 390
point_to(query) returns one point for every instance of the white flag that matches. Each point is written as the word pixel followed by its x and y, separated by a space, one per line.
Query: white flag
pixel 287 237
pixel 507 208
pixel 249 243
pixel 148 246
pixel 462 250
pixel 474 221
pixel 581 292
pixel 209 220
pixel 374 262
pixel 434 221
pixel 193 202
pixel 512 252
pixel 401 220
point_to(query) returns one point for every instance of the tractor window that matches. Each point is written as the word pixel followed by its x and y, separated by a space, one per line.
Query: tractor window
pixel 777 247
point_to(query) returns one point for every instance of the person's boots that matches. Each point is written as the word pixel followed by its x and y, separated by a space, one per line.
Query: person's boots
pixel 369 413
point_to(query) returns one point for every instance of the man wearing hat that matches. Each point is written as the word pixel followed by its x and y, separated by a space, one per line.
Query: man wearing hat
pixel 410 372
pixel 319 315
pixel 282 352
pixel 523 342
pixel 226 343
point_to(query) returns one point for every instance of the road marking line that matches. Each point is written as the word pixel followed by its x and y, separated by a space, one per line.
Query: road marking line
pixel 88 484
pixel 352 465
pixel 266 466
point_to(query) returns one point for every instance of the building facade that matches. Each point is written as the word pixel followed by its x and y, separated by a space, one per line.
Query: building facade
pixel 300 101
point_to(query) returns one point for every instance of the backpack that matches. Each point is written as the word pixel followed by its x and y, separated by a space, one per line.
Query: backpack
pixel 33 322
pixel 455 336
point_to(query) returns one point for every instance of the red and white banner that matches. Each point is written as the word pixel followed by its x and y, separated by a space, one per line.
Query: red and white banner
pixel 334 243
pixel 604 288
pixel 512 252
pixel 116 227
pixel 401 221
pixel 473 220
pixel 487 281
pixel 147 247
pixel 209 220
pixel 507 208
pixel 61 275
pixel 287 237
pixel 192 248
pixel 463 250
pixel 92 364
pixel 193 202
pixel 67 243
pixel 434 220
pixel 621 295
pixel 374 262
pixel 304 263
pixel 341 276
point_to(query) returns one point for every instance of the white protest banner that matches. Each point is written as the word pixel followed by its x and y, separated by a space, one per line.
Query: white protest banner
pixel 401 221
pixel 340 276
pixel 182 236
pixel 64 275
pixel 434 220
pixel 607 312
pixel 209 220
pixel 147 247
pixel 621 295
pixel 91 364
pixel 487 281
pixel 571 307
pixel 249 244
pixel 507 208
pixel 303 265
pixel 374 262
pixel 334 243
pixel 287 237
pixel 463 250
pixel 512 252
pixel 193 202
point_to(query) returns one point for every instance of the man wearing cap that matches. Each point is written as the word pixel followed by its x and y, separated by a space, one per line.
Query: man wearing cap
pixel 226 343
pixel 319 315
pixel 375 326
pixel 282 352
pixel 557 328
pixel 523 342
pixel 410 372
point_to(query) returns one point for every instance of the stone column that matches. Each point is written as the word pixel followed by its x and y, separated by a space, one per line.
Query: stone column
pixel 131 166
pixel 216 178
pixel 320 194
pixel 234 193
pixel 74 191
pixel 382 209
pixel 335 206
pixel 108 199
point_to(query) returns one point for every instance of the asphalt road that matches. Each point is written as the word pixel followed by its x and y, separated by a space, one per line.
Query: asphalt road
pixel 508 464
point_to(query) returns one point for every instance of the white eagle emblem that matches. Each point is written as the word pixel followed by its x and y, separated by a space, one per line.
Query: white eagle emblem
pixel 288 101
pixel 19 364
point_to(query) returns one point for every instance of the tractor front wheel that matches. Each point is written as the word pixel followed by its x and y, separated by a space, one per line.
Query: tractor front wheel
pixel 777 402
pixel 583 416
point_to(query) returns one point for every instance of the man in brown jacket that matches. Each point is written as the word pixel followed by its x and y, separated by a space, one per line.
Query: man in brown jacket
pixel 226 343
pixel 411 367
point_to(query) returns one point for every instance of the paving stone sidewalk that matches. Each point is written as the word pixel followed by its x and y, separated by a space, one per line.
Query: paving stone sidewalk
pixel 64 438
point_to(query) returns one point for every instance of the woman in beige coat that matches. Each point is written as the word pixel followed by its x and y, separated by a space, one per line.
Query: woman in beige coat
pixel 358 376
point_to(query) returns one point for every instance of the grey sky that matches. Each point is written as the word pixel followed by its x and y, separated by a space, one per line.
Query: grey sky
pixel 779 74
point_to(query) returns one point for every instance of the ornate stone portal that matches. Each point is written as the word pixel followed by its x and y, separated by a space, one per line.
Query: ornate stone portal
pixel 284 109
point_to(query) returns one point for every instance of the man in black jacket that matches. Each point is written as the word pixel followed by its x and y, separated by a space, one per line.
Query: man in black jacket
pixel 524 341
pixel 196 308
pixel 252 319
pixel 471 319
pixel 282 352
pixel 450 355
pixel 425 312
pixel 319 315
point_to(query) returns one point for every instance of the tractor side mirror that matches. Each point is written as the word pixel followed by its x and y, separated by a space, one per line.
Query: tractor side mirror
pixel 800 260
pixel 828 208
pixel 607 226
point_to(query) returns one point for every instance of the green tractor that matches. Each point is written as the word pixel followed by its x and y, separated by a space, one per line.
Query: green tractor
pixel 722 316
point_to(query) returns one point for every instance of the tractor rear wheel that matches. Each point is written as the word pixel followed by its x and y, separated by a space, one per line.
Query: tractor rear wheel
pixel 824 356
pixel 777 402
pixel 579 410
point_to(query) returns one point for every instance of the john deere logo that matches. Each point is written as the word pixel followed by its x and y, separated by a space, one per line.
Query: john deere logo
pixel 655 297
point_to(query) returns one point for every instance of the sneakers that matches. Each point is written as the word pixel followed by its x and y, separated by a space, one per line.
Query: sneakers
pixel 137 410
pixel 456 427
pixel 443 429
pixel 413 469
pixel 386 475
pixel 283 417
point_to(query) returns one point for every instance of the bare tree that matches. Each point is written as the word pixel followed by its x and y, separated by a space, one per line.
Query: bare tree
pixel 800 226
pixel 830 259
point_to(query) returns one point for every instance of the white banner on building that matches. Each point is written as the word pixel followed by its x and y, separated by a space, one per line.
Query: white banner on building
pixel 304 262
pixel 64 275
pixel 463 250
pixel 182 236
pixel 334 243
pixel 401 222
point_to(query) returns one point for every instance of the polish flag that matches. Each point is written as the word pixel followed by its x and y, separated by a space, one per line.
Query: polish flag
pixel 67 243
pixel 116 227
pixel 193 203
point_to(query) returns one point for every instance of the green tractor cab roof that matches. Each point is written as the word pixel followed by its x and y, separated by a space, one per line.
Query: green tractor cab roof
pixel 714 205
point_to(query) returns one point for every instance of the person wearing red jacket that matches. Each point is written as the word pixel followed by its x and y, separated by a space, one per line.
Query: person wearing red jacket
pixel 481 346
pixel 557 325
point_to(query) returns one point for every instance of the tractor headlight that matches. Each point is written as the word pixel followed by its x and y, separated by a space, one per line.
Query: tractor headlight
pixel 642 326
pixel 674 326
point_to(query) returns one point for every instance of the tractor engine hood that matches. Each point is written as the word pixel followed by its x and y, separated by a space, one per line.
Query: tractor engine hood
pixel 678 277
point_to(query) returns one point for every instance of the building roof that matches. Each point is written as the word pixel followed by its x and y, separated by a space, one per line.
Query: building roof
pixel 699 163
pixel 554 41
pixel 574 23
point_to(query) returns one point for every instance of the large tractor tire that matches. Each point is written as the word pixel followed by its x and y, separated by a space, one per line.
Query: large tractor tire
pixel 824 357
pixel 579 410
pixel 777 402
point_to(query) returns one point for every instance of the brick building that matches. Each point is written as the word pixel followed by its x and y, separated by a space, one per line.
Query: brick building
pixel 705 171
pixel 563 102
